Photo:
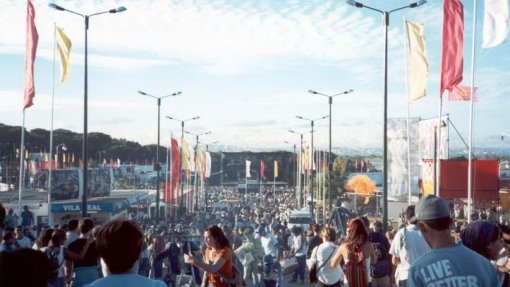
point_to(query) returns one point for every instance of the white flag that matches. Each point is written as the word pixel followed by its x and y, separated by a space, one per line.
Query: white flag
pixel 418 67
pixel 495 23
pixel 207 164
pixel 248 163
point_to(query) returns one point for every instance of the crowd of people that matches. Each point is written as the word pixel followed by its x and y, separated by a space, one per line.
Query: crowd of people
pixel 249 243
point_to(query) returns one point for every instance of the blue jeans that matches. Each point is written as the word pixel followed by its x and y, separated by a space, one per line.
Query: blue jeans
pixel 300 271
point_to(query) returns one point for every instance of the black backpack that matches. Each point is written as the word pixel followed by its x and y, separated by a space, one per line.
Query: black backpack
pixel 53 254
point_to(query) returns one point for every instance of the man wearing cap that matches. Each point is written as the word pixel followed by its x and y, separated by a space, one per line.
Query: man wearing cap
pixel 407 246
pixel 448 264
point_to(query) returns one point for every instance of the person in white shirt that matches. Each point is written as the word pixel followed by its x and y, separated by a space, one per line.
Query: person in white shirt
pixel 321 257
pixel 268 241
pixel 299 248
pixel 23 241
pixel 72 234
pixel 407 246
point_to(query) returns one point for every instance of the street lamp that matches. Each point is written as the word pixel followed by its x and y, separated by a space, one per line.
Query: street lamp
pixel 181 201
pixel 312 122
pixel 386 23
pixel 85 94
pixel 294 168
pixel 330 163
pixel 158 166
pixel 196 150
pixel 299 171
pixel 212 143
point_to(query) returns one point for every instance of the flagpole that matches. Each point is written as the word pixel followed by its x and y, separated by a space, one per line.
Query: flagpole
pixel 50 219
pixel 21 161
pixel 167 169
pixel 470 165
pixel 274 179
pixel 406 47
pixel 260 185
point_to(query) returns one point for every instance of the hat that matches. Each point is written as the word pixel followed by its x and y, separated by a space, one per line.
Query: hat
pixel 431 207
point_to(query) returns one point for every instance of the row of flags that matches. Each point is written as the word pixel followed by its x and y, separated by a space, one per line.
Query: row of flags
pixel 262 169
pixel 496 25
pixel 185 158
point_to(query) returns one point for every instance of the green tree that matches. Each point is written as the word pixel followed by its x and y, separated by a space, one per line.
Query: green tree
pixel 340 172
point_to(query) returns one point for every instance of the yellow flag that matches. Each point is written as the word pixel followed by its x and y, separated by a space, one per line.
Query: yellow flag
pixel 418 70
pixel 64 49
pixel 275 169
pixel 185 165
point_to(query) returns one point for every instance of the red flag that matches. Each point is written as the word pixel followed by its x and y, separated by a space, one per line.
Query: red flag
pixel 31 49
pixel 452 45
pixel 462 93
pixel 262 170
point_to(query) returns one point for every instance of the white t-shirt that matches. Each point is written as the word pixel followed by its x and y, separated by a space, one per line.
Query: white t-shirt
pixel 126 280
pixel 327 274
pixel 269 244
pixel 407 245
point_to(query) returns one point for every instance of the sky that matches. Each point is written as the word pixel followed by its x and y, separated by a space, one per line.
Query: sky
pixel 244 67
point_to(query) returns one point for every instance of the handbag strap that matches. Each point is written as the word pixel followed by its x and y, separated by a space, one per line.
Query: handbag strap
pixel 326 260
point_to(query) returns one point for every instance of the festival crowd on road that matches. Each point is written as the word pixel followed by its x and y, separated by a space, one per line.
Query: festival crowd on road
pixel 249 242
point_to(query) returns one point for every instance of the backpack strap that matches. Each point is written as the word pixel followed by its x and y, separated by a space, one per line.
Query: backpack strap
pixel 327 259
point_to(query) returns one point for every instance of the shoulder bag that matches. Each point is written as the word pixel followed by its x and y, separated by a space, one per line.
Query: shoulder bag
pixel 313 271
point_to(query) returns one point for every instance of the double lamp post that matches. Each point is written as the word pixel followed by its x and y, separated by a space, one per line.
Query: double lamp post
pixel 157 167
pixel 85 96
pixel 386 23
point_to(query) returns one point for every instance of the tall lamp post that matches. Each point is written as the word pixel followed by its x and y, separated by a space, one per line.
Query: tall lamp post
pixel 300 197
pixel 158 166
pixel 197 136
pixel 181 201
pixel 330 163
pixel 294 169
pixel 85 94
pixel 312 122
pixel 386 23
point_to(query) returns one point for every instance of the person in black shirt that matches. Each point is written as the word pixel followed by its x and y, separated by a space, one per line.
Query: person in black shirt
pixel 175 252
pixel 86 270
pixel 315 240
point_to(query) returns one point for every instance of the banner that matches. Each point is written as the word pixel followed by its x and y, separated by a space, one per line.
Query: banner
pixel 31 50
pixel 418 70
pixel 452 45
pixel 398 167
pixel 247 171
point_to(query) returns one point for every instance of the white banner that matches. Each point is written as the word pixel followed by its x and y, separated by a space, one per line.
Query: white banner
pixel 398 170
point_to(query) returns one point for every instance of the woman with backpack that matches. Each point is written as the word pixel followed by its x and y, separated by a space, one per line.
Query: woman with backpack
pixel 357 253
pixel 322 254
pixel 250 253
pixel 57 253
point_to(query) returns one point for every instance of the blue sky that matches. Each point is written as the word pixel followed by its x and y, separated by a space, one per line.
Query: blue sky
pixel 245 68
